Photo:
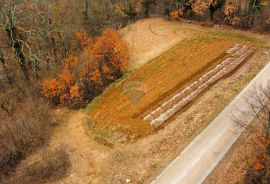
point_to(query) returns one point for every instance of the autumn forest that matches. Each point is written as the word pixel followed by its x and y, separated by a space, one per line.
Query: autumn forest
pixel 66 53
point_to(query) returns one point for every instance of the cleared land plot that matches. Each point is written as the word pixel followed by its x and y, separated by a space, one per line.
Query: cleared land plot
pixel 120 108
pixel 142 160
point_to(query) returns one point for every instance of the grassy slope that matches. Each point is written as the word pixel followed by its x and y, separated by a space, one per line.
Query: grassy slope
pixel 120 107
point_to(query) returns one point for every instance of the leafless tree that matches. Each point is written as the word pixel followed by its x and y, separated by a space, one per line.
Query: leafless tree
pixel 258 102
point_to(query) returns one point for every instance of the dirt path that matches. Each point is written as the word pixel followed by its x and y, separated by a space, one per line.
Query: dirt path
pixel 203 154
pixel 71 134
pixel 86 156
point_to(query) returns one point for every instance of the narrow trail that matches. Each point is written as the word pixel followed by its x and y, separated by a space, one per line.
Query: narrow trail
pixel 71 134
pixel 85 155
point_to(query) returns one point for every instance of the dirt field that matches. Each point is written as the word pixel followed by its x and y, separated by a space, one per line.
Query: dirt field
pixel 122 106
pixel 161 35
pixel 144 159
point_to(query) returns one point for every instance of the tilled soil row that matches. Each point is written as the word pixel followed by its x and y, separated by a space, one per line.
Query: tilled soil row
pixel 237 55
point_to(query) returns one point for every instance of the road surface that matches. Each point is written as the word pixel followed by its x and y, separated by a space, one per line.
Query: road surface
pixel 204 153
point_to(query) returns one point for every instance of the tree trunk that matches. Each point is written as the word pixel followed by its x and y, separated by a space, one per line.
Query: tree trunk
pixel 54 48
pixel 53 45
pixel 212 12
pixel 17 45
pixel 18 50
pixel 3 62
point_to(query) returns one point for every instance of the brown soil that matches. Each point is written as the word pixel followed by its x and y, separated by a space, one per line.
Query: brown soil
pixel 70 133
pixel 143 160
pixel 161 35
pixel 120 106
pixel 117 113
pixel 229 63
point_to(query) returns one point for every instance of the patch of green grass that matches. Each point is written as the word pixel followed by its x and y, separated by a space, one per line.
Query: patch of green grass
pixel 203 37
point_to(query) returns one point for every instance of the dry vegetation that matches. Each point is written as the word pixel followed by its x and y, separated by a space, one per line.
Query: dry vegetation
pixel 48 166
pixel 99 157
pixel 28 130
pixel 67 52
pixel 93 159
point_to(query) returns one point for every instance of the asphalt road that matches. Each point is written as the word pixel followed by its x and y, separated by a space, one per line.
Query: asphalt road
pixel 204 153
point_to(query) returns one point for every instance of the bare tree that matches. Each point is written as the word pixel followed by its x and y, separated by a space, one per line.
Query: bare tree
pixel 258 109
pixel 10 26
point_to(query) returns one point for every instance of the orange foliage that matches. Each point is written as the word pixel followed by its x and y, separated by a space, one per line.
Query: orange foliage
pixel 91 72
pixel 65 77
pixel 106 59
pixel 70 62
pixel 258 166
pixel 199 6
pixel 176 14
pixel 74 92
pixel 96 76
pixel 58 88
pixel 50 88
pixel 111 50
pixel 229 12
pixel 83 39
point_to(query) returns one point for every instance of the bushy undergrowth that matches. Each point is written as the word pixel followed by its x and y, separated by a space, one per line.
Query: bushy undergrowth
pixel 23 128
pixel 259 173
pixel 50 166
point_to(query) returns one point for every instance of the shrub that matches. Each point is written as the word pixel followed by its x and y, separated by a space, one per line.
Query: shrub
pixel 85 76
pixel 23 128
pixel 259 173
pixel 176 14
pixel 52 165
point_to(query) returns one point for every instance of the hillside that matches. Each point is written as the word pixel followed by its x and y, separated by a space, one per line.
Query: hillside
pixel 161 36
pixel 114 139
pixel 138 151
pixel 116 91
